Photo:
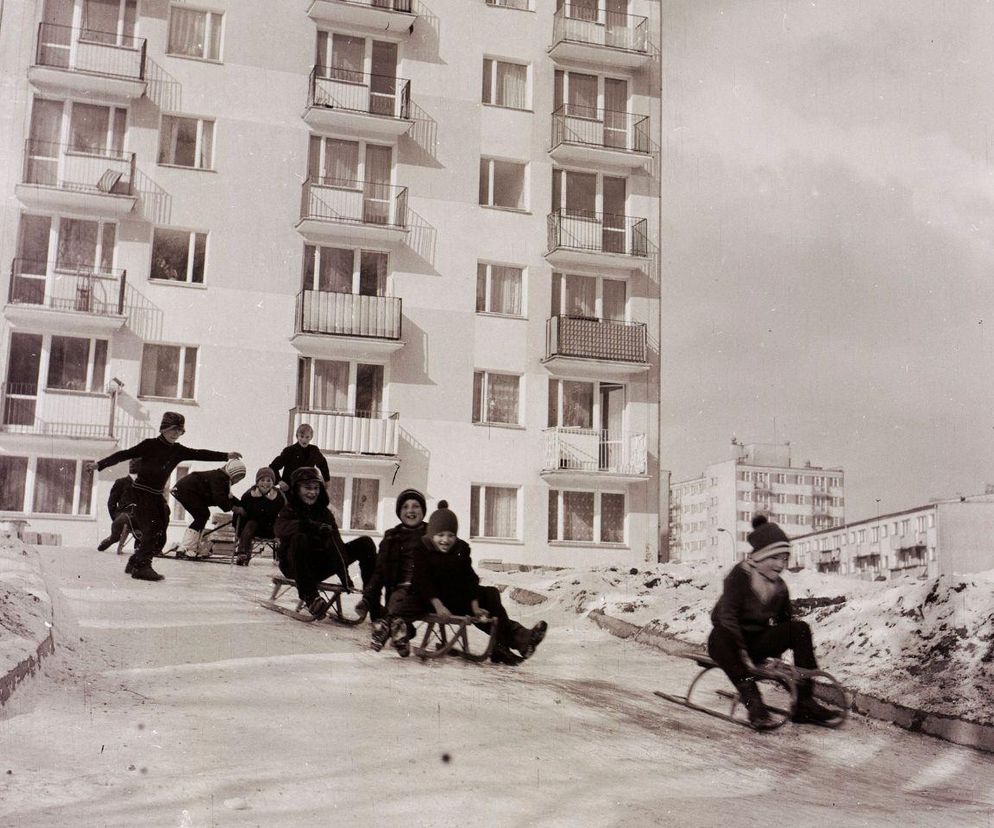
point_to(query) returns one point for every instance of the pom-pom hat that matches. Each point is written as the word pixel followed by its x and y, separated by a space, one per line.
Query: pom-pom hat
pixel 235 469
pixel 411 494
pixel 766 539
pixel 443 519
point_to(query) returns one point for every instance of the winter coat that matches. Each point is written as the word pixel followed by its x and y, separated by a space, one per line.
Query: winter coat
pixel 296 456
pixel 447 576
pixel 158 459
pixel 742 612
pixel 212 488
pixel 395 559
pixel 122 495
pixel 297 518
pixel 263 509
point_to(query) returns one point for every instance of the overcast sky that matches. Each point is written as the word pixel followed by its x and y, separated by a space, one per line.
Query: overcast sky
pixel 827 240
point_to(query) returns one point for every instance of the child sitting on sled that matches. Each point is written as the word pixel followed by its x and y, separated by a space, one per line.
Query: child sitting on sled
pixel 257 511
pixel 395 568
pixel 197 492
pixel 445 583
pixel 753 620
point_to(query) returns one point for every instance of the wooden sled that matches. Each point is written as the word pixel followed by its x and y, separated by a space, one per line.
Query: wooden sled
pixel 332 593
pixel 776 679
pixel 449 635
pixel 219 543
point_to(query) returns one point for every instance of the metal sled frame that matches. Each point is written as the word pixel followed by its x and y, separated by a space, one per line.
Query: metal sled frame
pixel 449 635
pixel 205 539
pixel 772 669
pixel 330 592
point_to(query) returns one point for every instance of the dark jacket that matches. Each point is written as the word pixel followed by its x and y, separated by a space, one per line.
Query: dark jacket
pixel 297 518
pixel 395 559
pixel 263 509
pixel 296 456
pixel 158 459
pixel 742 612
pixel 122 495
pixel 447 576
pixel 212 488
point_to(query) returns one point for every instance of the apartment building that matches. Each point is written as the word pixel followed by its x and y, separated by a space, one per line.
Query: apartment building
pixel 711 515
pixel 425 228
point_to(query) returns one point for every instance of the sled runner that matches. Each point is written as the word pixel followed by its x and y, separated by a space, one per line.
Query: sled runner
pixel 449 635
pixel 777 681
pixel 332 593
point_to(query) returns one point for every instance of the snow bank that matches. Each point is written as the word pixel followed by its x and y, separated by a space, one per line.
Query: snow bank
pixel 25 611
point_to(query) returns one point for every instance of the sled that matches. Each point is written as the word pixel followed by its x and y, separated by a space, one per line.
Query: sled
pixel 776 679
pixel 219 543
pixel 449 635
pixel 332 593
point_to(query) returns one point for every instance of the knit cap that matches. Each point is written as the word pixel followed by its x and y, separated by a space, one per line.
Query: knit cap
pixel 766 539
pixel 235 469
pixel 411 494
pixel 172 419
pixel 443 519
pixel 304 474
pixel 265 471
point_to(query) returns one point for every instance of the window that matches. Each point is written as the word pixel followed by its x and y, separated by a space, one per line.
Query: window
pixel 502 184
pixel 178 255
pixel 345 270
pixel 357 498
pixel 495 398
pixel 588 517
pixel 505 84
pixel 589 297
pixel 493 512
pixel 168 371
pixel 110 21
pixel 61 487
pixel 13 475
pixel 186 142
pixel 342 387
pixel 499 289
pixel 194 33
pixel 76 364
pixel 97 130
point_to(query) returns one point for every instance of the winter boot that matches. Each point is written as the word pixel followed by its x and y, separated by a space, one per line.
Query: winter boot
pixel 144 572
pixel 188 543
pixel 502 655
pixel 535 636
pixel 808 711
pixel 243 558
pixel 752 699
pixel 381 633
pixel 318 607
pixel 106 543
pixel 398 637
pixel 129 567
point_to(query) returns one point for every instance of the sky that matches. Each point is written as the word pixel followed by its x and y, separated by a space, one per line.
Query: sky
pixel 826 244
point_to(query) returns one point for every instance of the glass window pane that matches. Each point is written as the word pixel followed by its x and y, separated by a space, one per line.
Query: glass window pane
pixel 505 290
pixel 512 85
pixel 502 398
pixel 214 50
pixel 54 482
pixel 13 474
pixel 170 254
pixel 67 361
pixel 612 518
pixel 107 241
pixel 581 192
pixel 85 490
pixel 336 270
pixel 365 498
pixel 88 128
pixel 477 396
pixel 474 511
pixel 77 243
pixel 100 20
pixel 553 533
pixel 33 242
pixel 578 404
pixel 189 373
pixel 160 370
pixel 481 288
pixel 199 257
pixel 347 58
pixel 99 373
pixel 500 515
pixel 614 300
pixel 485 181
pixel 369 390
pixel 509 184
pixel 331 385
pixel 206 159
pixel 341 162
pixel 187 30
pixel 578 516
pixel 336 496
pixel 372 273
pixel 488 79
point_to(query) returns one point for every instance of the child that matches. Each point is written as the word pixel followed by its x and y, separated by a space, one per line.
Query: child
pixel 298 455
pixel 197 492
pixel 395 566
pixel 311 547
pixel 122 496
pixel 257 511
pixel 753 621
pixel 158 456
pixel 446 584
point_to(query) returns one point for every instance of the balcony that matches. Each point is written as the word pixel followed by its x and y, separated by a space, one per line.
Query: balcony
pixel 602 138
pixel 359 438
pixel 99 65
pixel 63 177
pixel 339 210
pixel 583 33
pixel 520 5
pixel 346 325
pixel 48 296
pixel 583 455
pixel 578 238
pixel 374 107
pixel 582 348
pixel 387 19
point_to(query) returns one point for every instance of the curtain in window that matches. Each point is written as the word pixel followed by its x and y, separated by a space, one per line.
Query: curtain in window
pixel 77 244
pixel 481 288
pixel 578 404
pixel 336 496
pixel 13 474
pixel 500 512
pixel 346 58
pixel 160 370
pixel 582 95
pixel 502 403
pixel 614 300
pixel 553 517
pixel 582 9
pixel 505 290
pixel 365 498
pixel 509 184
pixel 372 273
pixel 331 385
pixel 54 483
pixel 335 274
pixel 189 373
pixel 369 390
pixel 581 193
pixel 578 516
pixel 612 518
pixel 581 296
pixel 205 160
pixel 67 362
pixel 341 162
pixel 187 31
pixel 100 20
pixel 108 239
pixel 478 397
pixel 512 85
pixel 88 128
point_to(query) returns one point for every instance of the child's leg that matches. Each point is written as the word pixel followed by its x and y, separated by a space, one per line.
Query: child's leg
pixel 723 648
pixel 509 632
pixel 245 538
pixel 363 550
pixel 790 635
pixel 309 563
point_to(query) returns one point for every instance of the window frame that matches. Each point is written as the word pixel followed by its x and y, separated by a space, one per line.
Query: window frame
pixel 198 149
pixel 209 14
pixel 490 162
pixel 479 519
pixel 192 236
pixel 487 277
pixel 492 88
pixel 597 526
pixel 485 375
pixel 353 390
pixel 30 483
pixel 348 491
pixel 180 374
pixel 313 262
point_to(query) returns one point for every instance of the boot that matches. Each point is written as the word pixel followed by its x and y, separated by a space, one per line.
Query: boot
pixel 144 572
pixel 752 699
pixel 808 711
pixel 129 567
pixel 106 543
pixel 535 636
pixel 242 560
pixel 502 655
pixel 380 635
pixel 398 637
pixel 318 607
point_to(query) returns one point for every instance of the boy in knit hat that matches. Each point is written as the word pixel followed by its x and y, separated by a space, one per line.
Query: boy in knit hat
pixel 159 457
pixel 395 567
pixel 197 492
pixel 445 583
pixel 311 548
pixel 257 511
pixel 753 620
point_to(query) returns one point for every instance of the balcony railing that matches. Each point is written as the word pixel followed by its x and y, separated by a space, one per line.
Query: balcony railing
pixel 91 52
pixel 589 24
pixel 389 5
pixel 598 232
pixel 523 5
pixel 354 202
pixel 594 450
pixel 341 432
pixel 77 168
pixel 28 409
pixel 595 339
pixel 600 128
pixel 79 288
pixel 336 88
pixel 348 314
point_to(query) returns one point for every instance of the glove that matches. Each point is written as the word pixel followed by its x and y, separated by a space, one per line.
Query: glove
pixel 326 530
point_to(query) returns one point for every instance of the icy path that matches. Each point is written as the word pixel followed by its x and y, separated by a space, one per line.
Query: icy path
pixel 183 704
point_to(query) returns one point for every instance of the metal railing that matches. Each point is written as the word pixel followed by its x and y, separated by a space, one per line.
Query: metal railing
pixel 524 5
pixel 595 339
pixel 354 202
pixel 73 167
pixel 590 24
pixel 598 232
pixel 80 288
pixel 343 432
pixel 348 314
pixel 388 5
pixel 30 409
pixel 601 128
pixel 594 450
pixel 332 87
pixel 90 51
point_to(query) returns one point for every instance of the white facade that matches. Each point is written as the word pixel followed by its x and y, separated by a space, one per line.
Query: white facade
pixel 427 230
pixel 711 515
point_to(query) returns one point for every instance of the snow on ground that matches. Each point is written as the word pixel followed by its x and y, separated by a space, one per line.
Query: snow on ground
pixel 25 612
pixel 927 644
